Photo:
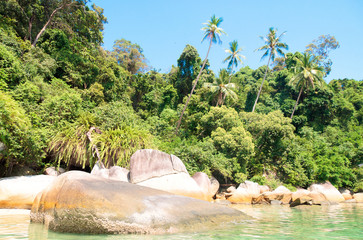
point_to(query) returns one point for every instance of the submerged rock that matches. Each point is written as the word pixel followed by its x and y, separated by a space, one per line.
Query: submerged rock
pixel 20 192
pixel 77 202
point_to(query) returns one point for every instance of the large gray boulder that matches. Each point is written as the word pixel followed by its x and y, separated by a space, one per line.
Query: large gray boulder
pixel 78 202
pixel 162 171
pixel 20 192
pixel 149 163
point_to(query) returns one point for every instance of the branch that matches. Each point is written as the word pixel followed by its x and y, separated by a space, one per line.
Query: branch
pixel 49 20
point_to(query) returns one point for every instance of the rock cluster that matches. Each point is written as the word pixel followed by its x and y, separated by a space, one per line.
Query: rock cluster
pixel 162 171
pixel 317 194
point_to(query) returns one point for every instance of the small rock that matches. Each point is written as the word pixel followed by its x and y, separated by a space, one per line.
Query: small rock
pixel 276 202
pixel 52 171
pixel 303 200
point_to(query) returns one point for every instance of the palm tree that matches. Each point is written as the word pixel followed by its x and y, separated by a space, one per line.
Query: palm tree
pixel 273 46
pixel 221 90
pixel 234 56
pixel 306 73
pixel 212 31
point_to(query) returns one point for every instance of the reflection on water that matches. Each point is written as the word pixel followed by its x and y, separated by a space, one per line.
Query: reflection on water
pixel 344 221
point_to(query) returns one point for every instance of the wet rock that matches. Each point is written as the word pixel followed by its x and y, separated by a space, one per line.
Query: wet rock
pixel 329 191
pixel 303 200
pixel 78 202
pixel 20 192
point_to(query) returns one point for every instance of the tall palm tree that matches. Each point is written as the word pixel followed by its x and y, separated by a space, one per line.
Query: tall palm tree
pixel 212 31
pixel 220 90
pixel 273 46
pixel 307 74
pixel 234 56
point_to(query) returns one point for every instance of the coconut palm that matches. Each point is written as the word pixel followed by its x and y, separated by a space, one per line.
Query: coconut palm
pixel 220 90
pixel 234 57
pixel 307 74
pixel 212 31
pixel 273 47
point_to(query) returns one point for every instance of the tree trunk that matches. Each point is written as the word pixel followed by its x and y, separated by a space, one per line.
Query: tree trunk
pixel 195 84
pixel 259 91
pixel 229 79
pixel 297 101
pixel 94 147
pixel 47 23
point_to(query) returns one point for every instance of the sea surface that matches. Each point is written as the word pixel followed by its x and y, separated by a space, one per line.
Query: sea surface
pixel 343 221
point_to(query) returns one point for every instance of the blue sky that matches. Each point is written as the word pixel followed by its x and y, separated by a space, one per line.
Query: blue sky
pixel 163 28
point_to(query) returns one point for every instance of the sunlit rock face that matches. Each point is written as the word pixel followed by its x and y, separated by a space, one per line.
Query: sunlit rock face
pixel 162 171
pixel 331 194
pixel 20 192
pixel 79 202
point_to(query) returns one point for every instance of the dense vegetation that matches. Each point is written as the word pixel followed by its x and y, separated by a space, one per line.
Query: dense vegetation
pixel 56 82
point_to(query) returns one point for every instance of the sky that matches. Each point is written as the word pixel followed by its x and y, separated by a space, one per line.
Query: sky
pixel 163 28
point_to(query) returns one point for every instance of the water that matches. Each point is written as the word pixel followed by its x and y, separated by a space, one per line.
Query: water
pixel 344 221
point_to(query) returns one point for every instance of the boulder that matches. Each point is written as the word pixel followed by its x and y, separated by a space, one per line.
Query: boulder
pixel 347 196
pixel 78 202
pixel 329 191
pixel 264 188
pixel 180 184
pixel 147 163
pixel 281 194
pixel 241 195
pixel 282 189
pixel 118 173
pixel 245 192
pixel 317 198
pixel 20 192
pixel 204 184
pixel 231 189
pixel 214 185
pixel 100 170
pixel 358 197
pixel 302 200
pixel 52 171
pixel 299 193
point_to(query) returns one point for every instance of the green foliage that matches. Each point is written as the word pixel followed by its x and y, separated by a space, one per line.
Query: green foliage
pixel 129 56
pixel 22 144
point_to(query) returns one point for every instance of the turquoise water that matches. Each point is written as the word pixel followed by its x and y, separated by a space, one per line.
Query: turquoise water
pixel 344 221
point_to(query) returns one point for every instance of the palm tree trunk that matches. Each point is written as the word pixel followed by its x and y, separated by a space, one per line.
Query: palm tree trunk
pixel 229 80
pixel 297 101
pixel 259 91
pixel 190 95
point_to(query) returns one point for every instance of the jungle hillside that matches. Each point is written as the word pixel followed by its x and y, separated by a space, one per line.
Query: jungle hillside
pixel 279 123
